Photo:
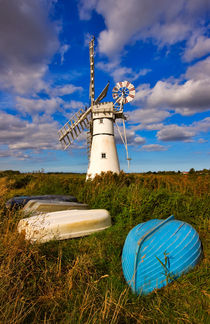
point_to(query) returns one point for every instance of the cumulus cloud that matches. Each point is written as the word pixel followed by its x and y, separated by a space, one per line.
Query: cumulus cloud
pixel 199 71
pixel 17 154
pixel 202 140
pixel 39 134
pixel 202 125
pixel 150 127
pixel 154 147
pixel 186 98
pixel 27 42
pixel 197 47
pixel 74 104
pixel 170 133
pixel 4 153
pixel 85 8
pixel 25 139
pixel 139 140
pixel 175 133
pixel 63 90
pixel 64 48
pixel 148 116
pixel 120 73
pixel 35 106
pixel 127 21
pixel 165 25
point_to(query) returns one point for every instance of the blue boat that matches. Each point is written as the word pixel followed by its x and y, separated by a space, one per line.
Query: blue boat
pixel 157 252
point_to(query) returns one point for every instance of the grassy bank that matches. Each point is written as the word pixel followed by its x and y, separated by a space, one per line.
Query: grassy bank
pixel 80 280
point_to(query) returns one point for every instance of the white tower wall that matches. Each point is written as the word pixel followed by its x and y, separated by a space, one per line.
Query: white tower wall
pixel 103 155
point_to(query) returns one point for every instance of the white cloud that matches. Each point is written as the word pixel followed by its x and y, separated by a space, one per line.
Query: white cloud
pixel 25 139
pixel 23 79
pixel 144 72
pixel 64 90
pixel 169 33
pixel 28 40
pixel 186 98
pixel 148 116
pixel 197 48
pixel 22 135
pixel 139 140
pixel 63 49
pixel 154 147
pixel 127 21
pixel 34 106
pixel 4 153
pixel 73 104
pixel 119 73
pixel 202 125
pixel 176 133
pixel 149 126
pixel 183 133
pixel 16 154
pixel 199 71
pixel 85 8
pixel 202 140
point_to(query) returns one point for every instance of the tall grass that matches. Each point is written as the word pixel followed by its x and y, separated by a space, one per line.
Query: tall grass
pixel 80 280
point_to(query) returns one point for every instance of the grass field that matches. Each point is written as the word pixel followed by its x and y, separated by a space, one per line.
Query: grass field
pixel 81 280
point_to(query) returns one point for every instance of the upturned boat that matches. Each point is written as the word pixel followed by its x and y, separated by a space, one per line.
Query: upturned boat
pixel 157 252
pixel 65 224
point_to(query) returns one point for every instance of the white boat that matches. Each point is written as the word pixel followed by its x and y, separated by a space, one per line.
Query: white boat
pixel 64 224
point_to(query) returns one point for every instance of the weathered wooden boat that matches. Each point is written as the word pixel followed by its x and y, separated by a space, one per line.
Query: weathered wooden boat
pixel 20 201
pixel 157 252
pixel 47 206
pixel 64 224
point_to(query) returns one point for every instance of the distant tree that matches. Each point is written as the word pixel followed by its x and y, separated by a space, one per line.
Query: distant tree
pixel 9 173
pixel 192 171
pixel 205 171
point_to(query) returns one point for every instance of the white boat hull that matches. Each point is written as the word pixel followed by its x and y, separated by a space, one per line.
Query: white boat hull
pixel 63 225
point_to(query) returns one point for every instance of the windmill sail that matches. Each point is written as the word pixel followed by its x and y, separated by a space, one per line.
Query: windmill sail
pixel 98 122
pixel 102 94
pixel 71 130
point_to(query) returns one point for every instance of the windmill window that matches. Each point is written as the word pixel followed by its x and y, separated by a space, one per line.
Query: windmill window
pixel 103 155
pixel 101 121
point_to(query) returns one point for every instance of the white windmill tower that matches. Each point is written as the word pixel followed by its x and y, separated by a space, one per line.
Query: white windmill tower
pixel 99 119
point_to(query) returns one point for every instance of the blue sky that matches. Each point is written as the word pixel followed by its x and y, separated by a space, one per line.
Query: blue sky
pixel 162 47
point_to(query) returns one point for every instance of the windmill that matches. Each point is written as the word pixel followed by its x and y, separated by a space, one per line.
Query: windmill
pixel 99 121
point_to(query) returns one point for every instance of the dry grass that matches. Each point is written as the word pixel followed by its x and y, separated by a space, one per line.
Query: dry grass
pixel 81 281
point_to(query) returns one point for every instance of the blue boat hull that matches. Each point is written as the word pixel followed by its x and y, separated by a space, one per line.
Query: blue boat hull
pixel 159 251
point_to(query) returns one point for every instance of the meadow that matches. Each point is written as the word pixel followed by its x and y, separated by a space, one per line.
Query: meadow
pixel 81 280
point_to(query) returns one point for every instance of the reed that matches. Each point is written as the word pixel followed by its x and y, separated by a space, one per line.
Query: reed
pixel 80 280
